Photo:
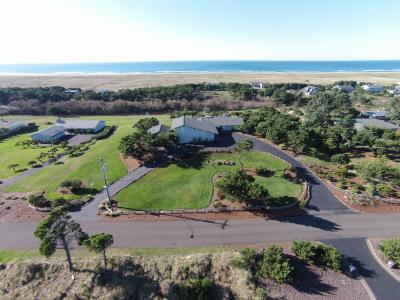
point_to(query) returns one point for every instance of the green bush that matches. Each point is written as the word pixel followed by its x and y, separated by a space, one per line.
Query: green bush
pixel 303 250
pixel 273 264
pixel 328 256
pixel 391 249
pixel 264 172
pixel 197 289
pixel 249 258
pixel 39 201
pixel 383 189
pixel 341 159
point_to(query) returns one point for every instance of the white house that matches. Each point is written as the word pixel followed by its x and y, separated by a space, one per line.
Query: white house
pixel 191 130
pixel 224 123
pixel 344 88
pixel 256 85
pixel 72 125
pixel 13 126
pixel 310 90
pixel 372 88
pixel 49 135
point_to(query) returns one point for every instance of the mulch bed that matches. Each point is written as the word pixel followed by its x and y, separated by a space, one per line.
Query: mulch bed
pixel 14 208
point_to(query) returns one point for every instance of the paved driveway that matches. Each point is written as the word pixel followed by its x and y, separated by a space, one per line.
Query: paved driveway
pixel 78 139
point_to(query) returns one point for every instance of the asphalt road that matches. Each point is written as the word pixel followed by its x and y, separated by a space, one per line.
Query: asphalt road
pixel 356 251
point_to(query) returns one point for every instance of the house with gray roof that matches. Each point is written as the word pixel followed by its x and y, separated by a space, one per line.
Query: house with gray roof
pixel 382 115
pixel 344 88
pixel 49 135
pixel 191 130
pixel 361 123
pixel 12 126
pixel 224 123
pixel 310 90
pixel 158 129
pixel 73 125
pixel 372 88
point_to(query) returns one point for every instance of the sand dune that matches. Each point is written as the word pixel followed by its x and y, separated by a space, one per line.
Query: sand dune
pixel 116 82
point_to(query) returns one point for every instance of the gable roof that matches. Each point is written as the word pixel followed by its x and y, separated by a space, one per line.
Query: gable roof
pixel 8 124
pixel 158 128
pixel 78 124
pixel 50 131
pixel 360 123
pixel 203 125
pixel 224 121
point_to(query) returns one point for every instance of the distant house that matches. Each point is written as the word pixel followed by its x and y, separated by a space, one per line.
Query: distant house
pixel 381 115
pixel 191 130
pixel 158 129
pixel 256 85
pixel 224 123
pixel 361 123
pixel 73 125
pixel 344 88
pixel 13 126
pixel 310 90
pixel 49 135
pixel 372 88
pixel 73 92
pixel 395 91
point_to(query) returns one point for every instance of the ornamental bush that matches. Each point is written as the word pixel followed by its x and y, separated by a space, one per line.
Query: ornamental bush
pixel 303 250
pixel 328 256
pixel 273 264
pixel 391 249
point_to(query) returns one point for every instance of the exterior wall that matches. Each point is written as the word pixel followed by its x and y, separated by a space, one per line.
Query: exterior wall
pixel 38 137
pixel 99 126
pixel 226 128
pixel 188 134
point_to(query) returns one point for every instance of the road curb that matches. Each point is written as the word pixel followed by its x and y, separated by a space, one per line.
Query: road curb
pixel 368 289
pixel 378 260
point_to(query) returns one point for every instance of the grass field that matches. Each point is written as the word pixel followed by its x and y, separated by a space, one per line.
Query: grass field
pixel 189 185
pixel 85 167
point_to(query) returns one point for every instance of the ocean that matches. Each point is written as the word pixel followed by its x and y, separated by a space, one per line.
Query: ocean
pixel 203 67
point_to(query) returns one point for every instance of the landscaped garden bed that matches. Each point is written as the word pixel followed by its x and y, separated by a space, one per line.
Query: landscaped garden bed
pixel 188 183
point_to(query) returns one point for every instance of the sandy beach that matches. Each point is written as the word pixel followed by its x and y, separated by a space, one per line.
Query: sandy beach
pixel 122 81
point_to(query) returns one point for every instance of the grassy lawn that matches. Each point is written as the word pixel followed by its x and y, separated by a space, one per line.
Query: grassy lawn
pixel 85 167
pixel 189 185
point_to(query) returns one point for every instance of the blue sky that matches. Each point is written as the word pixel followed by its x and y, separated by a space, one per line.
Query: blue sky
pixel 153 30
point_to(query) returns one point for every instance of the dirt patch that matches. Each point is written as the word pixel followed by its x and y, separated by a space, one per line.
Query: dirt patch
pixel 375 243
pixel 130 163
pixel 14 208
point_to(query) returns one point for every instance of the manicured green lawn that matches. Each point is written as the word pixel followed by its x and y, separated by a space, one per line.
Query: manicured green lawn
pixel 85 167
pixel 189 186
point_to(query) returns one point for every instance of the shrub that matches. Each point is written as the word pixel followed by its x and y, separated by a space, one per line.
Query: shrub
pixel 341 159
pixel 59 202
pixel 383 189
pixel 264 172
pixel 303 250
pixel 197 289
pixel 328 256
pixel 274 265
pixel 249 258
pixel 107 132
pixel 74 184
pixel 391 249
pixel 39 201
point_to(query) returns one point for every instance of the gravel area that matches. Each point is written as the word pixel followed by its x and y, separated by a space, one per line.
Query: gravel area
pixel 14 208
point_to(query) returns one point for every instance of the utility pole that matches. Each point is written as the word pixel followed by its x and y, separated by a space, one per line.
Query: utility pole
pixel 103 171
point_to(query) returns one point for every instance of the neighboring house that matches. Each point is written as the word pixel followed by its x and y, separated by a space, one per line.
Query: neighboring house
pixel 157 129
pixel 361 123
pixel 13 126
pixel 191 130
pixel 372 88
pixel 344 88
pixel 310 90
pixel 224 123
pixel 72 125
pixel 381 115
pixel 395 91
pixel 256 85
pixel 49 135
pixel 73 92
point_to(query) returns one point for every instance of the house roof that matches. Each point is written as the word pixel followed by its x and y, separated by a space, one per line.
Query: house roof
pixel 360 123
pixel 345 88
pixel 158 128
pixel 203 125
pixel 78 124
pixel 224 121
pixel 51 131
pixel 8 124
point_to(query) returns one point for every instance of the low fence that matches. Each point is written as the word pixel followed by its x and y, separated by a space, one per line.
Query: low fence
pixel 362 197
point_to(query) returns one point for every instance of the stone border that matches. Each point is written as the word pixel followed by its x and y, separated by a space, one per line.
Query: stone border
pixel 380 262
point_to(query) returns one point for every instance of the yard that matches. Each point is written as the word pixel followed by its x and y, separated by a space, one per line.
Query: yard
pixel 85 167
pixel 188 184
